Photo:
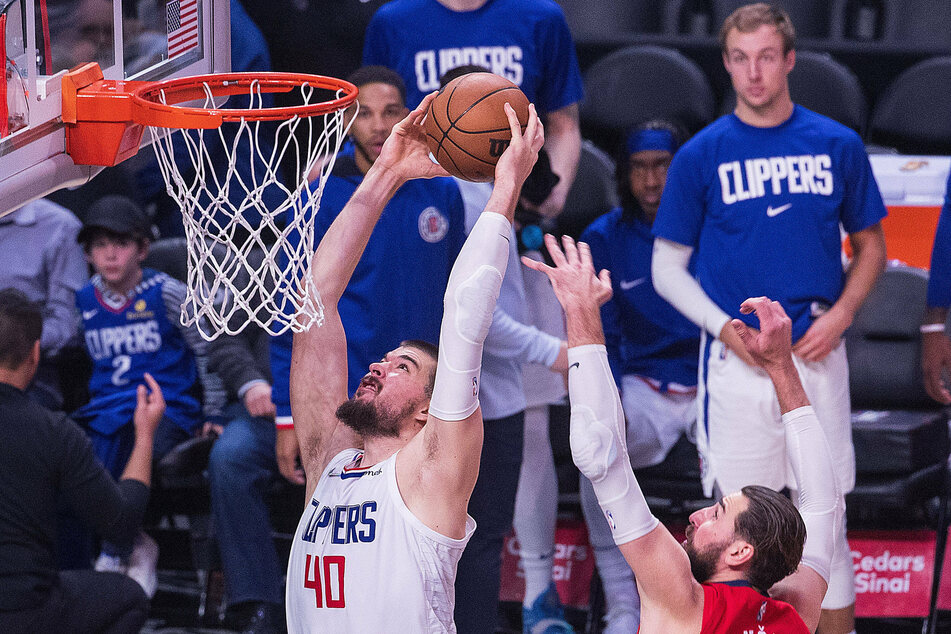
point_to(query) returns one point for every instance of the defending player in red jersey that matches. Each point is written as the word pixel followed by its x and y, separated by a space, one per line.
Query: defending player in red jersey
pixel 746 564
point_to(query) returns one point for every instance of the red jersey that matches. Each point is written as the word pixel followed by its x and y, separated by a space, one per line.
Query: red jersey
pixel 739 609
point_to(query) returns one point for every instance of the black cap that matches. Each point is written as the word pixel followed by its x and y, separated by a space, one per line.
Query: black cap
pixel 117 214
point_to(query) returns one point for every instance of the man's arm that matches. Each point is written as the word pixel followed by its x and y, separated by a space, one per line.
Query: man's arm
pixel 672 281
pixel 821 504
pixel 214 394
pixel 563 143
pixel 824 334
pixel 598 444
pixel 318 374
pixel 935 345
pixel 66 274
pixel 437 470
pixel 113 509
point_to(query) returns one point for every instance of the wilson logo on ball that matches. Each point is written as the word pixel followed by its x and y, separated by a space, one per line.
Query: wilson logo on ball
pixel 497 146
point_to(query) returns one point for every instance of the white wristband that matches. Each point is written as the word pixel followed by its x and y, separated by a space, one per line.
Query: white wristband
pixel 926 328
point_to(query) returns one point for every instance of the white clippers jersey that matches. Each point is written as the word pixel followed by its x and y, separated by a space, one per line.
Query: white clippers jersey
pixel 362 562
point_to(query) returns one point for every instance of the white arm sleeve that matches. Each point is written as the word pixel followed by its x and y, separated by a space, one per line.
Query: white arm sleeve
pixel 820 502
pixel 467 313
pixel 673 282
pixel 599 446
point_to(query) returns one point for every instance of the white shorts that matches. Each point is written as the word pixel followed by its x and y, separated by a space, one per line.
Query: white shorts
pixel 740 431
pixel 655 420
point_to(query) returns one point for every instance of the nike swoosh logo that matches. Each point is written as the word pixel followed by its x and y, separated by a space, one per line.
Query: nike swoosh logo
pixel 775 211
pixel 627 285
pixel 576 364
pixel 89 314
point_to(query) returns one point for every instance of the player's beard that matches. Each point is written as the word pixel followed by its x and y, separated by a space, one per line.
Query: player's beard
pixel 369 421
pixel 704 563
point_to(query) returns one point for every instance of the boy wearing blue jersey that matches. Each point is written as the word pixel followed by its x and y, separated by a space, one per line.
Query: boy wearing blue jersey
pixel 760 195
pixel 651 347
pixel 525 41
pixel 130 320
pixel 935 345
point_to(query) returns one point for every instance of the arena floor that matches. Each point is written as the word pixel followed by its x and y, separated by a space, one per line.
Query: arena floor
pixel 174 611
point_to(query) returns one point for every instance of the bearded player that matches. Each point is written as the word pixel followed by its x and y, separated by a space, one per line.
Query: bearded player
pixel 389 471
pixel 743 566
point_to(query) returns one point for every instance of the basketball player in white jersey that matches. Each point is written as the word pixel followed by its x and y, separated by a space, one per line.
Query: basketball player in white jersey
pixel 389 471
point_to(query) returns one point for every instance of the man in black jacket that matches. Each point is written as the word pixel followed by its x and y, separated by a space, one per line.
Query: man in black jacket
pixel 46 457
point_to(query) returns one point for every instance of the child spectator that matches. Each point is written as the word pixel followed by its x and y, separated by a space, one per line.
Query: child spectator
pixel 130 318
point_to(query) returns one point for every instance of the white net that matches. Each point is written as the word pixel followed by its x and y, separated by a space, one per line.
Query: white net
pixel 249 192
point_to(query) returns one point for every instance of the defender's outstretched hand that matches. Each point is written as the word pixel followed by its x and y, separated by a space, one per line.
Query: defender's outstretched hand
pixel 772 344
pixel 573 277
pixel 405 152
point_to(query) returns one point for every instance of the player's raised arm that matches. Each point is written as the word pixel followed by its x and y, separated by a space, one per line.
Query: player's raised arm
pixel 437 470
pixel 318 382
pixel 598 444
pixel 821 504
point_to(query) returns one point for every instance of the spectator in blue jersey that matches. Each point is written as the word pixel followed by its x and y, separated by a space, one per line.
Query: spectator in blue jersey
pixel 49 272
pixel 760 195
pixel 242 468
pixel 131 325
pixel 45 458
pixel 935 344
pixel 652 348
pixel 525 41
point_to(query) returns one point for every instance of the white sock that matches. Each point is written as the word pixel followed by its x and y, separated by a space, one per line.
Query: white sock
pixel 536 504
pixel 537 575
pixel 617 579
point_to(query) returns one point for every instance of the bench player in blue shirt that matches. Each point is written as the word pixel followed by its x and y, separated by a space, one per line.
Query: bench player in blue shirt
pixel 760 195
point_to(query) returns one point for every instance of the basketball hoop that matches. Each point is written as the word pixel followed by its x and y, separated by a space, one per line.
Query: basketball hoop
pixel 246 262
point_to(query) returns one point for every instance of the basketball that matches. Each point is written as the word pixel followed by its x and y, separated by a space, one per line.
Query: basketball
pixel 466 126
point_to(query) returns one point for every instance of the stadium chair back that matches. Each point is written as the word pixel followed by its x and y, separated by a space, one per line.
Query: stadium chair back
pixel 914 113
pixel 884 345
pixel 638 83
pixel 593 193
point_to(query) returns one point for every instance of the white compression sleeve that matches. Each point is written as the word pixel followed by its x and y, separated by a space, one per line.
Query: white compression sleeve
pixel 467 314
pixel 820 503
pixel 599 446
pixel 673 282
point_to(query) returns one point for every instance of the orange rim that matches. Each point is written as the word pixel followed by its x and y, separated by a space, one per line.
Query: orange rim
pixel 148 98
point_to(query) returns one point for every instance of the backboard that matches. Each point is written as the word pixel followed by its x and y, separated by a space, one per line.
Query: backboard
pixel 129 39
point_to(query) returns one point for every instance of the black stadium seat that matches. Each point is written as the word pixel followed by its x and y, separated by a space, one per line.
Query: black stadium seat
pixel 914 113
pixel 590 20
pixel 638 83
pixel 810 17
pixel 823 85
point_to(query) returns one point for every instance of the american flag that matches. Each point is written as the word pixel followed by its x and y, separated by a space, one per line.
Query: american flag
pixel 182 26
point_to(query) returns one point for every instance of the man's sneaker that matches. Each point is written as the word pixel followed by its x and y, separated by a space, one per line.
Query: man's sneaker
pixel 545 616
pixel 110 563
pixel 143 562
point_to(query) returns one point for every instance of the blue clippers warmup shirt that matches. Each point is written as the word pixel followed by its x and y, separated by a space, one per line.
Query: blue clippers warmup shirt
pixel 396 292
pixel 939 280
pixel 762 208
pixel 644 334
pixel 127 342
pixel 525 41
